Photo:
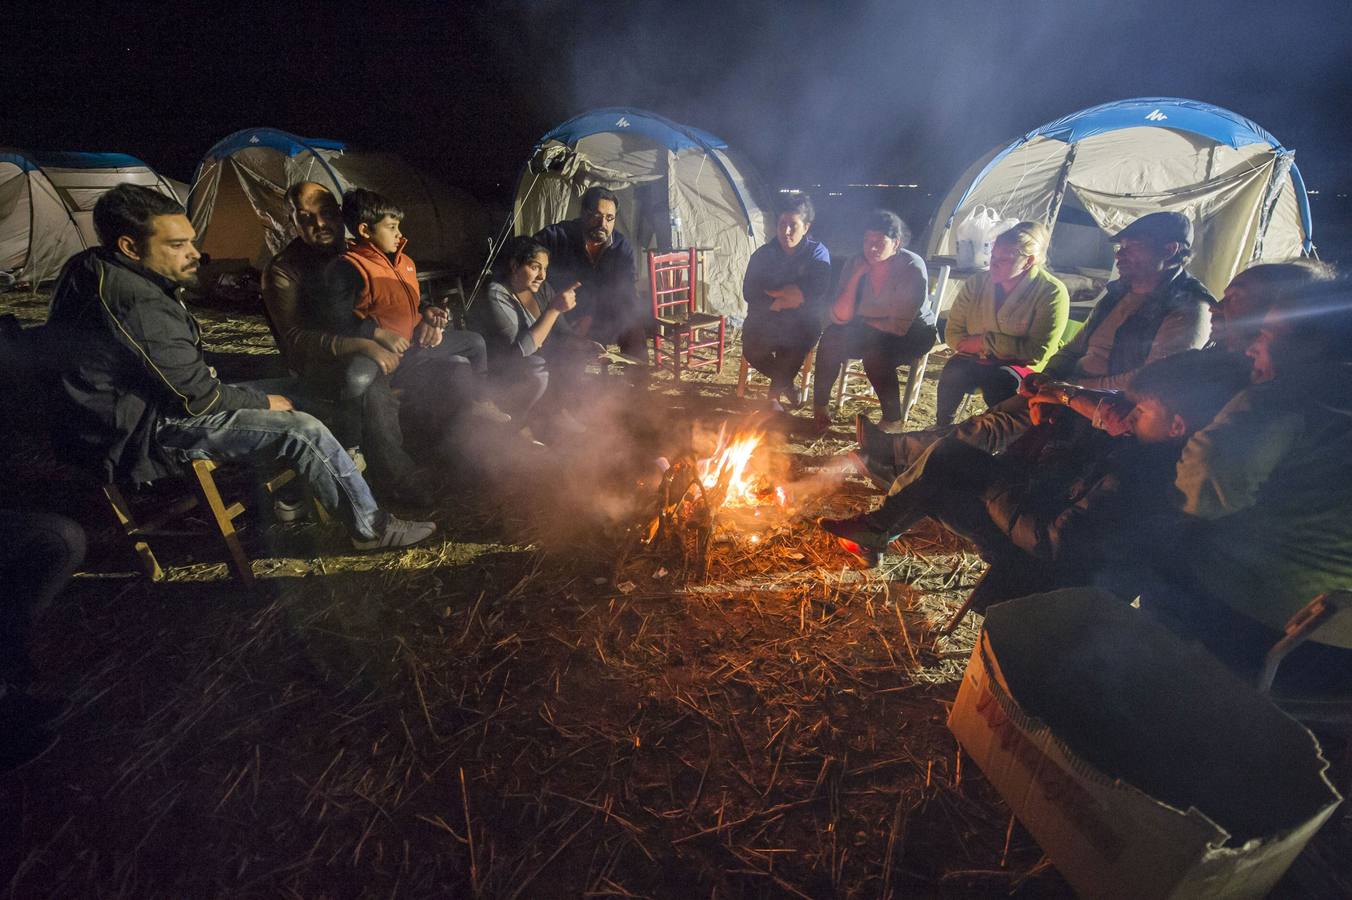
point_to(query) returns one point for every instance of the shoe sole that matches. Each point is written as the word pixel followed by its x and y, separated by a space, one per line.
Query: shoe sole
pixel 870 558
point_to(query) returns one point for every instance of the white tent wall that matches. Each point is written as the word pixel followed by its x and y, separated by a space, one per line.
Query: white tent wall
pixel 239 205
pixel 711 217
pixel 1285 236
pixel 37 232
pixel 1126 174
pixel 1021 186
pixel 1119 175
pixel 82 188
pixel 46 212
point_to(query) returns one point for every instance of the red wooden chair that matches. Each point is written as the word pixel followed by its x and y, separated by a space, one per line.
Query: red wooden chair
pixel 685 338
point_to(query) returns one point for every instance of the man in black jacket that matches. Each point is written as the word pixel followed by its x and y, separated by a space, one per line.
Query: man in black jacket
pixel 590 253
pixel 136 400
pixel 1065 497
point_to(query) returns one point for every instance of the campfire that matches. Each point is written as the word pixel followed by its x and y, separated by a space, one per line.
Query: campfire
pixel 729 491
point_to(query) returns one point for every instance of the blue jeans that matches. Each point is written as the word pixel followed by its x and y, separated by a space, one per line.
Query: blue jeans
pixel 297 439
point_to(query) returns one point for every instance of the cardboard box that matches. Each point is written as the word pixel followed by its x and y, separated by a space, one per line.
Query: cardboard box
pixel 1140 764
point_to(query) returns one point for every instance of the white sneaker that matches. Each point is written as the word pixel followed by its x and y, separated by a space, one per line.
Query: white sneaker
pixel 284 511
pixel 565 422
pixel 488 410
pixel 529 437
pixel 396 533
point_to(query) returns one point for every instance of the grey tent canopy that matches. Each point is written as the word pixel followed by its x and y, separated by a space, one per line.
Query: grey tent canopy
pixel 47 205
pixel 238 198
pixel 1088 174
pixel 678 186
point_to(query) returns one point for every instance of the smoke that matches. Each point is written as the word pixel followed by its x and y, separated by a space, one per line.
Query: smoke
pixel 830 93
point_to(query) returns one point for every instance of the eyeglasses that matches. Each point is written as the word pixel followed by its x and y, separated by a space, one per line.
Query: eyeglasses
pixel 600 217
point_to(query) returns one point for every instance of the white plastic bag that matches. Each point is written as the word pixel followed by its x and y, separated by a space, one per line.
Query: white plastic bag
pixel 972 237
pixel 976 233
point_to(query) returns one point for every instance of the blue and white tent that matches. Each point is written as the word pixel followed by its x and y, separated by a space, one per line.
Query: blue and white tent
pixel 238 198
pixel 677 187
pixel 47 205
pixel 1089 174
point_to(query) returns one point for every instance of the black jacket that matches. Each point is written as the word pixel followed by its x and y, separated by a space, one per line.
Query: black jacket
pixel 608 290
pixel 120 351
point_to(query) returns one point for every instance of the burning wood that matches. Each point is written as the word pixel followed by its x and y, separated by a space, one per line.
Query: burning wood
pixel 730 491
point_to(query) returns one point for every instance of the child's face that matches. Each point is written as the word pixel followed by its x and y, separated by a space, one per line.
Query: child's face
pixel 384 234
pixel 1153 423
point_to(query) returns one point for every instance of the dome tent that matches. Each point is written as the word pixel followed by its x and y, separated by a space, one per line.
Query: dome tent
pixel 1088 174
pixel 238 197
pixel 677 187
pixel 47 205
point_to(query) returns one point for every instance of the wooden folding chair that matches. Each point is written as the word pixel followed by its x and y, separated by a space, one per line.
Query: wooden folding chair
pixel 205 491
pixel 744 375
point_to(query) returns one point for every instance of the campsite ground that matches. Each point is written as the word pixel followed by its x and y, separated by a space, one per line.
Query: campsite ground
pixel 517 708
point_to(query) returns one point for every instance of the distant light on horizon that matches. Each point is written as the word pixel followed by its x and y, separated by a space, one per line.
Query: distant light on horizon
pixel 817 187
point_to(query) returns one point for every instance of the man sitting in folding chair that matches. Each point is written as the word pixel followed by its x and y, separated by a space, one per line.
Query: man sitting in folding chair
pixel 134 399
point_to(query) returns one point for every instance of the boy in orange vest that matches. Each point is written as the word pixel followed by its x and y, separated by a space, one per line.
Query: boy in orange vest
pixel 378 282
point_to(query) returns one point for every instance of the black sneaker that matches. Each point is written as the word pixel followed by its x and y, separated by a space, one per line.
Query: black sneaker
pixel 881 476
pixel 857 536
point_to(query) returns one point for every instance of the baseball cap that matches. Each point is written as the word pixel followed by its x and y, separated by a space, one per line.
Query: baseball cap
pixel 1161 227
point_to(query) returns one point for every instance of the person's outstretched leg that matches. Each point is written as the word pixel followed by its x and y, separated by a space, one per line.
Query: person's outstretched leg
pixel 466 348
pixel 998 385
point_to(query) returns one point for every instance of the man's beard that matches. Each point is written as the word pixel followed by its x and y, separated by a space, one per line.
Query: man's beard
pixel 189 279
pixel 599 236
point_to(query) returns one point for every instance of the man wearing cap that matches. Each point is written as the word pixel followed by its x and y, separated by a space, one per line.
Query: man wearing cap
pixel 1152 310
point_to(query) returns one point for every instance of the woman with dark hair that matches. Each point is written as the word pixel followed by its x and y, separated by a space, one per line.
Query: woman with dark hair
pixel 785 288
pixel 532 351
pixel 882 315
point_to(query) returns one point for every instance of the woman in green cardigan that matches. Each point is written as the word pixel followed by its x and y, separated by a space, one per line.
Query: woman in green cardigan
pixel 1005 323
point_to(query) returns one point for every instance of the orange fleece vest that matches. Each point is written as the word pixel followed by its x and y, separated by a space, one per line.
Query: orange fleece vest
pixel 391 293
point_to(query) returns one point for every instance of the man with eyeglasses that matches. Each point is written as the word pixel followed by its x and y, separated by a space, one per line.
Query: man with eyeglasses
pixel 589 252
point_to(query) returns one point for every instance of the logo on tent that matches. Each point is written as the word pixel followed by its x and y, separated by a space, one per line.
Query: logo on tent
pixel 622 122
pixel 1156 116
pixel 253 139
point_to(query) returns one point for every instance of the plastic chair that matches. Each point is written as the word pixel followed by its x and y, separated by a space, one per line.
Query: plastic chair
pixel 696 339
pixel 854 373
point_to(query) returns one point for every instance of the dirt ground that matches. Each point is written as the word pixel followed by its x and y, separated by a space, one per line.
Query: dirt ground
pixel 525 706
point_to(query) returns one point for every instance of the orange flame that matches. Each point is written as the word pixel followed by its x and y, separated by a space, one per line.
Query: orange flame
pixel 731 463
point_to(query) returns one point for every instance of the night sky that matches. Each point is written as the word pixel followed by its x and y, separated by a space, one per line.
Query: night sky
pixel 812 92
